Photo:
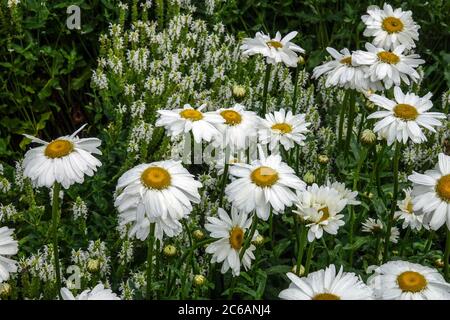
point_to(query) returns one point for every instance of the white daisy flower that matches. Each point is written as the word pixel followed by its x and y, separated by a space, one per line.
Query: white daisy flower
pixel 64 160
pixel 373 226
pixel 275 50
pixel 404 117
pixel 264 183
pixel 390 27
pixel 8 247
pixel 231 234
pixel 345 73
pixel 406 213
pixel 239 128
pixel 345 193
pixel 283 128
pixel 159 192
pixel 403 280
pixel 188 119
pixel 431 193
pixel 325 284
pixel 391 67
pixel 99 292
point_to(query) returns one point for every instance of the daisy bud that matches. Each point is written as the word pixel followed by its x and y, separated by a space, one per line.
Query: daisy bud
pixel 259 240
pixel 199 280
pixel 170 251
pixel 198 234
pixel 309 177
pixel 301 61
pixel 239 92
pixel 368 137
pixel 93 265
pixel 302 270
pixel 323 159
pixel 5 290
pixel 439 263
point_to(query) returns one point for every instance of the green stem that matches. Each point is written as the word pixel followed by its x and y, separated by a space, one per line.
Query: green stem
pixel 351 118
pixel 294 99
pixel 224 182
pixel 55 219
pixel 341 118
pixel 447 256
pixel 301 247
pixel 429 241
pixel 266 87
pixel 405 240
pixel 151 240
pixel 309 256
pixel 390 219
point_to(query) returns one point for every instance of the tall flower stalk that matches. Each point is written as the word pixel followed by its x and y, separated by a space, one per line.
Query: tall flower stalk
pixel 56 214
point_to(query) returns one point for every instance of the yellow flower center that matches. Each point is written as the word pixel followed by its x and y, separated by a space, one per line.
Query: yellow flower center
pixel 274 44
pixel 191 114
pixel 264 176
pixel 409 207
pixel 406 112
pixel 282 127
pixel 388 57
pixel 392 25
pixel 411 281
pixel 58 149
pixel 156 178
pixel 347 61
pixel 231 117
pixel 326 296
pixel 236 238
pixel 443 188
pixel 325 214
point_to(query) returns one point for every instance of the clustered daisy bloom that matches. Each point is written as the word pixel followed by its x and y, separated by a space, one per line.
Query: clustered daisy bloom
pixel 431 193
pixel 402 280
pixel 275 50
pixel 159 192
pixel 8 247
pixel 326 284
pixel 231 232
pixel 403 118
pixel 65 160
pixel 282 127
pixel 201 124
pixel 319 207
pixel 99 292
pixel 263 184
pixel 390 27
pixel 375 226
pixel 406 213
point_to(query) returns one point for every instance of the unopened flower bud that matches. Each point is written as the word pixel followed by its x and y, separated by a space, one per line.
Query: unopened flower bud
pixel 170 251
pixel 302 270
pixel 199 280
pixel 368 137
pixel 301 61
pixel 309 177
pixel 323 159
pixel 198 234
pixel 239 92
pixel 259 240
pixel 439 263
pixel 5 290
pixel 93 265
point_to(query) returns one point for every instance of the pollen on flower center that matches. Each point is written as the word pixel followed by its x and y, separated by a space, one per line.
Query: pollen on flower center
pixel 236 238
pixel 282 127
pixel 325 214
pixel 191 114
pixel 388 57
pixel 231 117
pixel 58 149
pixel 156 178
pixel 274 44
pixel 326 296
pixel 405 112
pixel 392 25
pixel 411 281
pixel 264 176
pixel 347 61
pixel 409 207
pixel 443 188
